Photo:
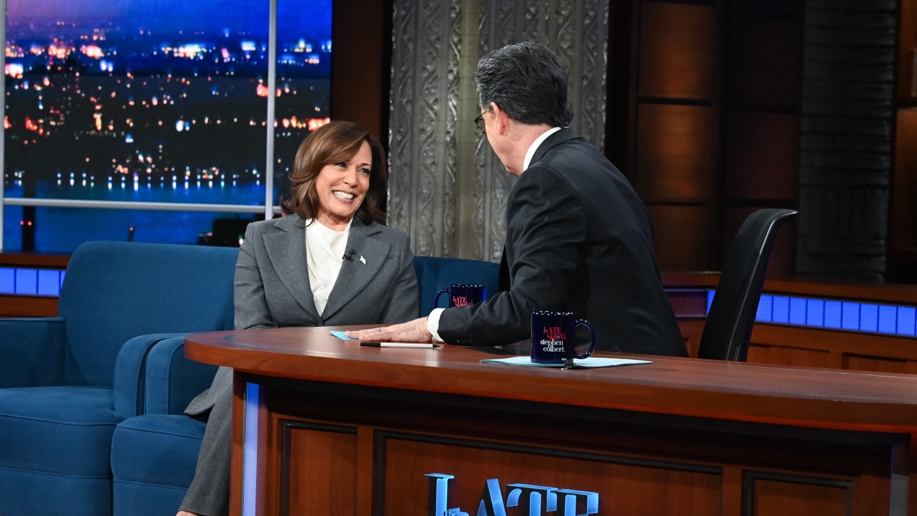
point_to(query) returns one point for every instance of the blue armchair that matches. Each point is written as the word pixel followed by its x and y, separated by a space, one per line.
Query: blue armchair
pixel 154 455
pixel 67 381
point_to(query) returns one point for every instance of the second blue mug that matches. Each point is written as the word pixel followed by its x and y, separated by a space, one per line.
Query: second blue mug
pixel 462 295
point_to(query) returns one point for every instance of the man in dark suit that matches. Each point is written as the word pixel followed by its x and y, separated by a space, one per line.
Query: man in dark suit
pixel 578 238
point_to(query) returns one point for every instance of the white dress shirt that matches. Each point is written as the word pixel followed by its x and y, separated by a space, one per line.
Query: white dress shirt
pixel 325 250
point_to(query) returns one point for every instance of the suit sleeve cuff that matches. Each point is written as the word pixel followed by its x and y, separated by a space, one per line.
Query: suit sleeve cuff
pixel 433 324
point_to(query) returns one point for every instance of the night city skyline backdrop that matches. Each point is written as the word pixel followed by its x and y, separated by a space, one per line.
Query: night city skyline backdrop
pixel 312 17
pixel 152 101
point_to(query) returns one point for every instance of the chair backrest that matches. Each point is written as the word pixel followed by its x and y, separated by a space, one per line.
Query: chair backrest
pixel 434 273
pixel 727 330
pixel 114 291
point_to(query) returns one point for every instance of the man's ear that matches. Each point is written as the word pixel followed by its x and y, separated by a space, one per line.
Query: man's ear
pixel 502 119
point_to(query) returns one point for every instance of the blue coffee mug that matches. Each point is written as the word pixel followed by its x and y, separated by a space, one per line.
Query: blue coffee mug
pixel 554 338
pixel 462 295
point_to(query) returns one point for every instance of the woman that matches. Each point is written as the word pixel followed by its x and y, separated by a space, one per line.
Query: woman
pixel 329 261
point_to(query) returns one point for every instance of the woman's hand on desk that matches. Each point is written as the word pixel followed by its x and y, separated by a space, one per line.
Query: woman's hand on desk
pixel 413 331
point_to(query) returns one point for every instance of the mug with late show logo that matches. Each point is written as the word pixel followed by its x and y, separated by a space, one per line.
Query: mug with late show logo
pixel 461 295
pixel 554 338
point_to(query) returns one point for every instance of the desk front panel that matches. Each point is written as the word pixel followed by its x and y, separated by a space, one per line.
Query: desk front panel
pixel 363 450
pixel 687 435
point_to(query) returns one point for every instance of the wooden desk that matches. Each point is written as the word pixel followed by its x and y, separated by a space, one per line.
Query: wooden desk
pixel 348 430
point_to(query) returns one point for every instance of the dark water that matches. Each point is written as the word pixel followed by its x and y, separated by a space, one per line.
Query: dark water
pixel 61 230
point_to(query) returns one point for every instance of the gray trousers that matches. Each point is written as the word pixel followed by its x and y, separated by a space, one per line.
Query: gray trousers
pixel 208 494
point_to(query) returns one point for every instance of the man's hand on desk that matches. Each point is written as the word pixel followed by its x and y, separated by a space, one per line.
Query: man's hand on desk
pixel 413 331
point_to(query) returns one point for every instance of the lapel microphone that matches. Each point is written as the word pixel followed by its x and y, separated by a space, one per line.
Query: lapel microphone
pixel 349 255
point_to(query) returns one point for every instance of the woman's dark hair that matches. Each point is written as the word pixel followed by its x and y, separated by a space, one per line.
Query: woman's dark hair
pixel 336 142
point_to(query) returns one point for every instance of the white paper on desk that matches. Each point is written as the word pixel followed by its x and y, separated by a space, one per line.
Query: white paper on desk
pixel 577 362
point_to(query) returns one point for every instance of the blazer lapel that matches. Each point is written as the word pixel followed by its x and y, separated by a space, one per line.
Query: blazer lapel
pixel 286 248
pixel 358 271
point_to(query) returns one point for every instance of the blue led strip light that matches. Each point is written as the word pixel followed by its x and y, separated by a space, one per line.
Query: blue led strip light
pixel 26 281
pixel 836 315
pixel 250 450
pixel 792 310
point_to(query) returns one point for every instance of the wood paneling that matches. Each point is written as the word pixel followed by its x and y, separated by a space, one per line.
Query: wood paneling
pixel 361 71
pixel 906 76
pixel 28 306
pixel 902 219
pixel 714 119
pixel 814 347
pixel 902 248
pixel 46 261
pixel 757 146
pixel 788 353
pixel 626 488
pixel 778 497
pixel 683 236
pixel 677 51
pixel 321 469
pixel 765 61
pixel 676 153
pixel 904 230
pixel 878 292
pixel 767 5
pixel 877 364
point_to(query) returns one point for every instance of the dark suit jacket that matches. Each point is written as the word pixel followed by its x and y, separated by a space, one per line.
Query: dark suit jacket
pixel 577 239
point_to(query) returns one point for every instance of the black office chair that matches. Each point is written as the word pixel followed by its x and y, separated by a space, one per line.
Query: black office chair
pixel 735 303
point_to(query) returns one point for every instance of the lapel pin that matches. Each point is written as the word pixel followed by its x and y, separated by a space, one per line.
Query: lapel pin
pixel 362 260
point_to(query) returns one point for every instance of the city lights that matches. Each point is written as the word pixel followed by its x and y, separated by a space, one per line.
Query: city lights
pixel 87 95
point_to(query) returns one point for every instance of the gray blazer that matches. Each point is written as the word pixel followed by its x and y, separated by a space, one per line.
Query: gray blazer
pixel 377 284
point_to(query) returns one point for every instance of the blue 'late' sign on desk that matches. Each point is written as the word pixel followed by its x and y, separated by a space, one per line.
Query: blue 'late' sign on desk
pixel 532 500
